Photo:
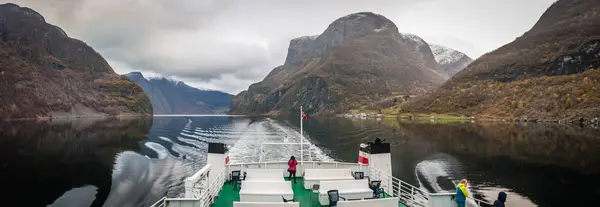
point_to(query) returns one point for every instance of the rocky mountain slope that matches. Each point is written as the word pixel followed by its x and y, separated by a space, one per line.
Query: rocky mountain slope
pixel 452 61
pixel 174 97
pixel 45 73
pixel 552 72
pixel 358 59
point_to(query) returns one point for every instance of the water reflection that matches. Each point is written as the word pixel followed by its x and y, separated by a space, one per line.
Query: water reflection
pixel 535 162
pixel 63 162
pixel 81 196
pixel 124 162
pixel 134 162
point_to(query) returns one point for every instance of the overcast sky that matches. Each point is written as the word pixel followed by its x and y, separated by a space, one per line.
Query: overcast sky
pixel 229 44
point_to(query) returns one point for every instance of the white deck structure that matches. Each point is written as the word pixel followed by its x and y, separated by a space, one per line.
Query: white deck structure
pixel 265 184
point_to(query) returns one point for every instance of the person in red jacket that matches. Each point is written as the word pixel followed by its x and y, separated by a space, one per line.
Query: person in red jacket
pixel 292 168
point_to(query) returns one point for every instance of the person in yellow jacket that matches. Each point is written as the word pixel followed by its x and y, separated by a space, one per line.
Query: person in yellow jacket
pixel 461 193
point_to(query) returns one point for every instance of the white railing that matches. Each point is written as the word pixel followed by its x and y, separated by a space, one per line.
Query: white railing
pixel 208 197
pixel 479 202
pixel 354 167
pixel 160 202
pixel 407 193
pixel 197 183
pixel 197 190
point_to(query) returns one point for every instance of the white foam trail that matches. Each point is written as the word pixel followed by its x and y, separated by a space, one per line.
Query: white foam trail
pixel 294 136
pixel 161 152
pixel 191 154
pixel 206 139
pixel 248 146
pixel 230 135
pixel 165 139
pixel 135 178
pixel 195 143
pixel 431 169
pixel 188 125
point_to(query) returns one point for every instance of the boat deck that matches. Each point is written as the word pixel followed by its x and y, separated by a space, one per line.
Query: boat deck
pixel 228 195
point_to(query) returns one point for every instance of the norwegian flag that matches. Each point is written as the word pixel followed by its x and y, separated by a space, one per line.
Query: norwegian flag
pixel 304 117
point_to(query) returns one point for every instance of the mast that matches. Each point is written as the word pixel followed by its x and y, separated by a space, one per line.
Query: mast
pixel 301 136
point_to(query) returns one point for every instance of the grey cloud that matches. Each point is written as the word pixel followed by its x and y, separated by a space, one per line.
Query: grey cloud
pixel 226 43
pixel 201 40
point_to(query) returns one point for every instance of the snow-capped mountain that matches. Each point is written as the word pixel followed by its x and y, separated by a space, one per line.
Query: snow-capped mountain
pixel 423 53
pixel 451 60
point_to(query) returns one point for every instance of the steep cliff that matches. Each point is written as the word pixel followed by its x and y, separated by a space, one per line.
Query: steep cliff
pixel 175 97
pixel 44 73
pixel 551 72
pixel 358 59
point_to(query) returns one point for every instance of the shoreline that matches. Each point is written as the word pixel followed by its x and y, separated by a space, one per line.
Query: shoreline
pixel 356 114
pixel 446 117
pixel 61 118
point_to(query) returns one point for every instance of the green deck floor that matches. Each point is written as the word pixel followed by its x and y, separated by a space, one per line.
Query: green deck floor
pixel 228 195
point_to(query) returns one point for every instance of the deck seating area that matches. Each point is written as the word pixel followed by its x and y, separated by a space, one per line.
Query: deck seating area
pixel 348 189
pixel 314 176
pixel 231 197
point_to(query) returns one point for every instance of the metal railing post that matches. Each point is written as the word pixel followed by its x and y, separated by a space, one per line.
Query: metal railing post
pixel 412 194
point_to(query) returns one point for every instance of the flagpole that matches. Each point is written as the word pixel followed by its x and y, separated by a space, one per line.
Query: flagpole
pixel 301 137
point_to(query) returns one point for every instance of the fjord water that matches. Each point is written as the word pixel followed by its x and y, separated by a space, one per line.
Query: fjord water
pixel 134 162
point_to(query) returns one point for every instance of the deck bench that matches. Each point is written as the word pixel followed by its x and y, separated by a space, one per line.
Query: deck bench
pixel 349 189
pixel 268 204
pixel 379 202
pixel 266 191
pixel 314 176
pixel 264 174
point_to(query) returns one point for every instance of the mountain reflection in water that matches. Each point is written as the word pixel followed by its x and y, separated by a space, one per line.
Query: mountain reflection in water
pixel 63 162
pixel 540 164
pixel 134 162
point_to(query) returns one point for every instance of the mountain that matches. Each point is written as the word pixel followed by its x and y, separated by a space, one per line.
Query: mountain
pixel 358 59
pixel 451 60
pixel 44 73
pixel 552 72
pixel 175 97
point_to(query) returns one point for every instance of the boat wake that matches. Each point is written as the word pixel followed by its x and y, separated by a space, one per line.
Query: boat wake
pixel 439 173
pixel 177 148
pixel 252 147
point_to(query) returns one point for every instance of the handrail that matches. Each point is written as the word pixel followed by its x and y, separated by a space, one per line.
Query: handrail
pixel 208 197
pixel 299 162
pixel 479 202
pixel 407 193
pixel 302 165
pixel 160 202
pixel 199 178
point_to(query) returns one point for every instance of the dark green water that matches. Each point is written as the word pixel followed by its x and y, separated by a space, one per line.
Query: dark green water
pixel 134 162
